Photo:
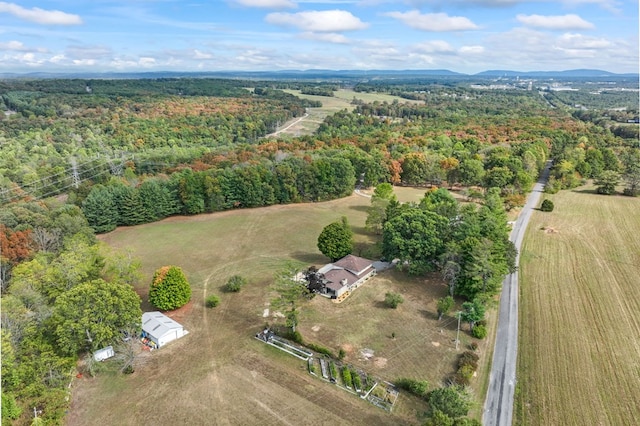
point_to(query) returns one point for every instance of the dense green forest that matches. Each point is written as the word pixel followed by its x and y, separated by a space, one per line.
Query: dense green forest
pixel 79 157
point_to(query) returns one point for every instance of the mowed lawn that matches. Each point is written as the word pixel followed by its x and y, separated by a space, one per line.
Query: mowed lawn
pixel 579 347
pixel 219 374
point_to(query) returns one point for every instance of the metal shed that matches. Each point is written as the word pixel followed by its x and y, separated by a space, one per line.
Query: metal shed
pixel 161 329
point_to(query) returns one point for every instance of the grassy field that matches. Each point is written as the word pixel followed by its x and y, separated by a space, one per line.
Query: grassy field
pixel 219 374
pixel 331 104
pixel 579 347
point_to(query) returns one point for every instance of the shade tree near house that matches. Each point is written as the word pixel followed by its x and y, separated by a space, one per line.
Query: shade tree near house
pixel 336 240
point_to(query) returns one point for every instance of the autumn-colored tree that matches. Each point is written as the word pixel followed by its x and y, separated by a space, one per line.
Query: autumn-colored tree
pixel 15 246
pixel 169 288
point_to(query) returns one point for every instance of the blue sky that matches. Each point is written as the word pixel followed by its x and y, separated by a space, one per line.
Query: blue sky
pixel 193 35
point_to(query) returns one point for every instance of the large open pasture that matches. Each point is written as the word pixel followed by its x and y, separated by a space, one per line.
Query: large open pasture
pixel 331 104
pixel 579 347
pixel 220 374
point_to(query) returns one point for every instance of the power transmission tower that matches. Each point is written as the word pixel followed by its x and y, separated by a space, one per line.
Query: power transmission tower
pixel 74 172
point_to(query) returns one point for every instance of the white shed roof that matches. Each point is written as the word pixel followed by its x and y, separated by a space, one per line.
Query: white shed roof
pixel 158 324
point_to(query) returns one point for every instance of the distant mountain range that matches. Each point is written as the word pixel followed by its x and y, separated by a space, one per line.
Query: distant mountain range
pixel 328 74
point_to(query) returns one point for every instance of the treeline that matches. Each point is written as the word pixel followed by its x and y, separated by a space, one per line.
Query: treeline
pixel 62 295
pixel 191 192
pixel 48 130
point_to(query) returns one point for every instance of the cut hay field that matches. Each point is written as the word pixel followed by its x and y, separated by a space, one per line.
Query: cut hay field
pixel 579 344
pixel 220 374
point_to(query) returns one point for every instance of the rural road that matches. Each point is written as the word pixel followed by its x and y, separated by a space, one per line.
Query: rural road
pixel 498 407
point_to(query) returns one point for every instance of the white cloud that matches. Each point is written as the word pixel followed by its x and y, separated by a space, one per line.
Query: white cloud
pixel 13 45
pixel 201 55
pixel 579 41
pixel 318 21
pixel 146 61
pixel 131 63
pixel 84 62
pixel 437 22
pixel 40 16
pixel 268 4
pixel 555 22
pixel 434 46
pixel 471 50
pixel 326 37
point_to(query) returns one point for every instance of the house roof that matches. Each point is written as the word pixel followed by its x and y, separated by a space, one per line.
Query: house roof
pixel 354 264
pixel 345 271
pixel 158 324
pixel 335 279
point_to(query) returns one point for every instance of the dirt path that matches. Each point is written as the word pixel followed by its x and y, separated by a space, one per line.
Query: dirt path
pixel 288 126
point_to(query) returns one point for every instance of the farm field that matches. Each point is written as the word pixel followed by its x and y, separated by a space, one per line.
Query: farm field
pixel 579 347
pixel 219 373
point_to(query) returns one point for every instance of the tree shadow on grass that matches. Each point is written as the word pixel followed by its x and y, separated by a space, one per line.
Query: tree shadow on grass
pixel 360 208
pixel 310 258
pixel 585 191
pixel 380 304
pixel 428 314
pixel 360 230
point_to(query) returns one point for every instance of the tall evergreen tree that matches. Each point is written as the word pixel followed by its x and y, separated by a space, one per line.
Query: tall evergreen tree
pixel 100 209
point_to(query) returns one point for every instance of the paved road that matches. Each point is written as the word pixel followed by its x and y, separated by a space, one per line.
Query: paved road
pixel 498 407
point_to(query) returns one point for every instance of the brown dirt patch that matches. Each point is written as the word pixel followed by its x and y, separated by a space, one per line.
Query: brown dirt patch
pixel 181 313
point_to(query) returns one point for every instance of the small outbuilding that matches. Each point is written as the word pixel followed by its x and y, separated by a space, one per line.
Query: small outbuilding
pixel 104 353
pixel 160 329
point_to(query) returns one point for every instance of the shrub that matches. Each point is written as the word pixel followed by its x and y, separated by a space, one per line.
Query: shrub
pixel 463 375
pixel 416 387
pixel 169 289
pixel 451 400
pixel 332 369
pixel 355 377
pixel 547 206
pixel 473 346
pixel 294 336
pixel 341 354
pixel 479 332
pixel 468 358
pixel 235 283
pixel 392 300
pixel 212 301
pixel 320 349
pixel 346 377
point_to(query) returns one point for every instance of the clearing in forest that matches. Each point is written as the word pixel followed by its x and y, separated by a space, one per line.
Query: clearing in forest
pixel 579 347
pixel 219 373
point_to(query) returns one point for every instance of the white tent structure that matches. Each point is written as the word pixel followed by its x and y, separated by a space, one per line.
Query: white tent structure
pixel 161 329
